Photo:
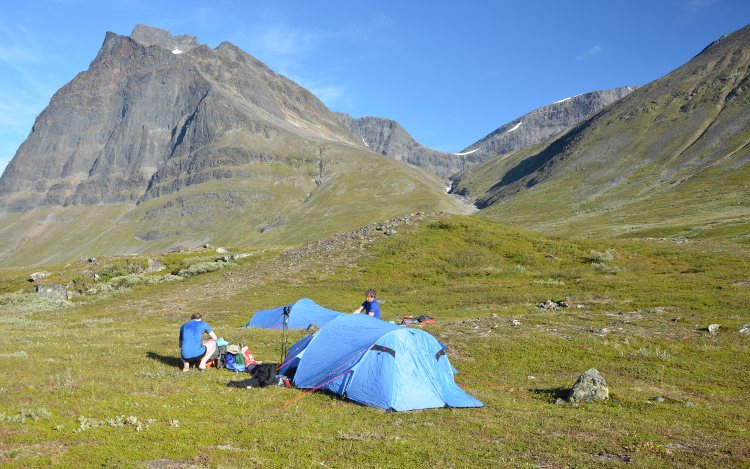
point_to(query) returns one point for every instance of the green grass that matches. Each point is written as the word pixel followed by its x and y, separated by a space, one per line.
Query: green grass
pixel 97 382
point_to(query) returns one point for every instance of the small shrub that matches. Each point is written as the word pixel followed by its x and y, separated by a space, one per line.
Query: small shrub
pixel 40 413
pixel 95 322
pixel 82 284
pixel 130 281
pixel 31 303
pixel 203 268
pixel 85 423
pixel 606 269
pixel 63 380
pixel 601 257
pixel 649 353
pixel 130 267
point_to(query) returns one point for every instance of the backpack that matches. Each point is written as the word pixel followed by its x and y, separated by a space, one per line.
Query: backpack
pixel 234 362
pixel 221 359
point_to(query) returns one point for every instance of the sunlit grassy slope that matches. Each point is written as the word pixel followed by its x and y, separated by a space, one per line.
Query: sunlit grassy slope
pixel 97 383
pixel 669 159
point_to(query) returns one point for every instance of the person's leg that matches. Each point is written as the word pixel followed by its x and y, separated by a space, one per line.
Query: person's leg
pixel 210 349
pixel 185 365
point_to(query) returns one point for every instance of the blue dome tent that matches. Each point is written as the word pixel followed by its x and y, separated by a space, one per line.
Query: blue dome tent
pixel 378 364
pixel 302 314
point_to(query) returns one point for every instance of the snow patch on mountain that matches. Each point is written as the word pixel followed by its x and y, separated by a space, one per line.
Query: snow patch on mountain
pixel 515 127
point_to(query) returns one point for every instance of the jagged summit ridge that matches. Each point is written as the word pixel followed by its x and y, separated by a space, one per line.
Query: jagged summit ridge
pixel 544 122
pixel 149 35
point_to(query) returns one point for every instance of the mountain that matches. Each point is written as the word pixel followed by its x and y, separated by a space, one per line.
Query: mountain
pixel 164 141
pixel 389 138
pixel 154 113
pixel 543 123
pixel 668 159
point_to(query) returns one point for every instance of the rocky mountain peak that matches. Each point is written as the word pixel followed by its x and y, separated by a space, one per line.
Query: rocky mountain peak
pixel 146 111
pixel 151 36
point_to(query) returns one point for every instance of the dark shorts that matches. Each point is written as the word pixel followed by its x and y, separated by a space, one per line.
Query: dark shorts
pixel 196 358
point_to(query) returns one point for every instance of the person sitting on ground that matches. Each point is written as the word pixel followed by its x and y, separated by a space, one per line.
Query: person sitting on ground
pixel 370 305
pixel 192 346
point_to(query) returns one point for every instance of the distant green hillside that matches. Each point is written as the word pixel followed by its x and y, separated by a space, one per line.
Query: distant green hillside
pixel 277 203
pixel 670 159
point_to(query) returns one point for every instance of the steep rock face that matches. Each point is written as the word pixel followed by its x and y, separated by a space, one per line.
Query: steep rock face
pixel 541 124
pixel 389 138
pixel 149 99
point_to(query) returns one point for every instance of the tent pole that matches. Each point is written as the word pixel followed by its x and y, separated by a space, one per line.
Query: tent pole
pixel 284 333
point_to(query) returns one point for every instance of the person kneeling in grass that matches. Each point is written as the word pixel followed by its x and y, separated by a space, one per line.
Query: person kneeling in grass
pixel 192 346
pixel 370 306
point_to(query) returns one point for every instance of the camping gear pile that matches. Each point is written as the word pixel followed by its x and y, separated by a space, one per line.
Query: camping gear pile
pixel 418 321
pixel 237 357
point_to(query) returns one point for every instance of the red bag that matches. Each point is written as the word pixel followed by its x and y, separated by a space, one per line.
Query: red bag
pixel 249 360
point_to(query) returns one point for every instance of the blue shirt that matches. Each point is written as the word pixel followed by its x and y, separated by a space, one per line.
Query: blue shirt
pixel 191 338
pixel 372 307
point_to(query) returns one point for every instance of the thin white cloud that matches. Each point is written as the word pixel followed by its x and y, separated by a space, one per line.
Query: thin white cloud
pixel 694 8
pixel 334 97
pixel 590 53
pixel 24 88
pixel 287 49
pixel 18 46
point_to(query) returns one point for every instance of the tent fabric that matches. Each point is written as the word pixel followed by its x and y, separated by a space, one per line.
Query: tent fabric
pixel 377 364
pixel 302 314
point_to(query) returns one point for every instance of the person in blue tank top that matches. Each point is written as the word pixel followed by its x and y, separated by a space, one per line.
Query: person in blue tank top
pixel 370 305
pixel 192 346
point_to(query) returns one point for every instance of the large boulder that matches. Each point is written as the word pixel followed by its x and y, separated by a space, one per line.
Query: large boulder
pixel 53 291
pixel 590 386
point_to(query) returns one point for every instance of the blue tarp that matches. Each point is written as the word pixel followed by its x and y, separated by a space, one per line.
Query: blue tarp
pixel 377 364
pixel 303 313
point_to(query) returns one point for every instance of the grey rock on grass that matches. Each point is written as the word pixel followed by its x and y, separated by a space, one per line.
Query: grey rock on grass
pixel 589 387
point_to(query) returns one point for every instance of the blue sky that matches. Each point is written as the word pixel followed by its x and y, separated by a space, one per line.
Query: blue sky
pixel 450 72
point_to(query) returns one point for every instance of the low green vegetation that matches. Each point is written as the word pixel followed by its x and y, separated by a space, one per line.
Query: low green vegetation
pixel 95 379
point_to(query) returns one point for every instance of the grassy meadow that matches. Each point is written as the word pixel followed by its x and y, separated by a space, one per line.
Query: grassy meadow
pixel 95 381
